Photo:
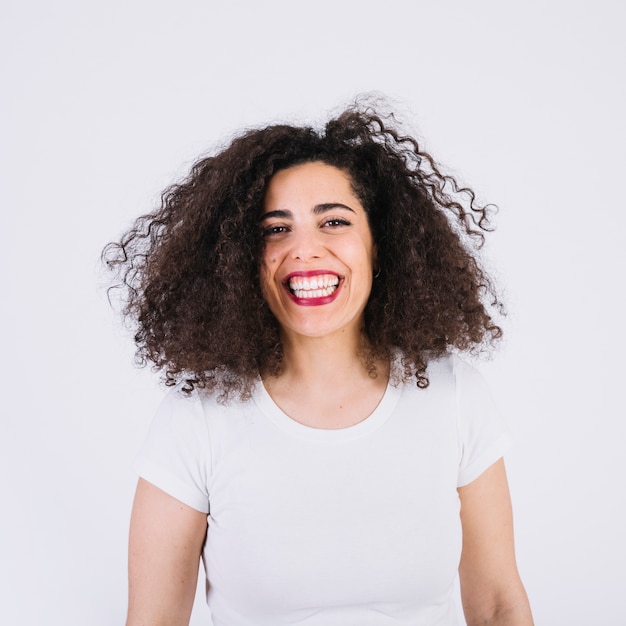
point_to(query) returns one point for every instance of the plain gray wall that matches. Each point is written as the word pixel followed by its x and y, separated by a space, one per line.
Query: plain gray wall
pixel 104 104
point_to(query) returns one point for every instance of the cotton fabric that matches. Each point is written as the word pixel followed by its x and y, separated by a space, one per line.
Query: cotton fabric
pixel 330 527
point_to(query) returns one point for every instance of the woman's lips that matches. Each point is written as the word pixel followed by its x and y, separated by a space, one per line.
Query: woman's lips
pixel 313 288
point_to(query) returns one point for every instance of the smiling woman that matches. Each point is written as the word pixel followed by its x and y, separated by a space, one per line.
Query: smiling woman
pixel 318 252
pixel 322 449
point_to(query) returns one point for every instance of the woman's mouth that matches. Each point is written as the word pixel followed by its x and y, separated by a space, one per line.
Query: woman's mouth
pixel 314 286
pixel 313 289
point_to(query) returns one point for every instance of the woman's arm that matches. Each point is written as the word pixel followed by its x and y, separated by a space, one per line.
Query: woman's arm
pixel 491 589
pixel 166 538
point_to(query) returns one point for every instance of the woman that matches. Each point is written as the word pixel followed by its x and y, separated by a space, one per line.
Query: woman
pixel 322 450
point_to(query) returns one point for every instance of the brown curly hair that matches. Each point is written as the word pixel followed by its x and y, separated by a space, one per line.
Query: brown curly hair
pixel 189 271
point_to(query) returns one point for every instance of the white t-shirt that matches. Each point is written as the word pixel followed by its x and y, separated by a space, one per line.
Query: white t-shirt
pixel 330 527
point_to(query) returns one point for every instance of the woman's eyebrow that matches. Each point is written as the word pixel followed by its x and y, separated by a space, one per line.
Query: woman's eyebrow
pixel 317 210
pixel 277 213
pixel 329 206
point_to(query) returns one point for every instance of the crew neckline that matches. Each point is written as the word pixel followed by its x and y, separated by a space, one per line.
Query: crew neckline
pixel 379 416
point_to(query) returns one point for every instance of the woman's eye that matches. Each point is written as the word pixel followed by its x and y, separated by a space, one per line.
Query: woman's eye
pixel 335 222
pixel 272 231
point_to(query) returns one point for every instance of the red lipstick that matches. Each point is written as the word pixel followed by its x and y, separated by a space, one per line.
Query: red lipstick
pixel 305 292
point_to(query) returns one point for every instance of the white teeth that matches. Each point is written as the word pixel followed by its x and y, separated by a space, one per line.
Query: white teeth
pixel 314 287
pixel 313 293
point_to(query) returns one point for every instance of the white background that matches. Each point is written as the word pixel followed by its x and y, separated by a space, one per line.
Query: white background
pixel 104 104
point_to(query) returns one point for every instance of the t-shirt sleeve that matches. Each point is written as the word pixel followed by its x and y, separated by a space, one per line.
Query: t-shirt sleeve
pixel 176 453
pixel 483 435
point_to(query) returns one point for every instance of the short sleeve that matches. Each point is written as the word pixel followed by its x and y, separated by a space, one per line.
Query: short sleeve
pixel 483 435
pixel 175 456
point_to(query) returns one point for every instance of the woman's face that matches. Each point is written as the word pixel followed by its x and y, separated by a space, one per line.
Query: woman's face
pixel 316 266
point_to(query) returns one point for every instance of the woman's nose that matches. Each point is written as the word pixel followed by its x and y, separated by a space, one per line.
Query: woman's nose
pixel 307 246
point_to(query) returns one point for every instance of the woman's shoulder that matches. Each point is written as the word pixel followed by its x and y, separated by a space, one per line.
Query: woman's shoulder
pixel 206 413
pixel 191 431
pixel 441 369
pixel 450 376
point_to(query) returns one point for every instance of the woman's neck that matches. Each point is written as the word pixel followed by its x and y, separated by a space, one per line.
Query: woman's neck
pixel 316 361
pixel 327 383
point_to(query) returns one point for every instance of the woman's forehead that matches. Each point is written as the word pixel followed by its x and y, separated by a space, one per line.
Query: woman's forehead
pixel 315 183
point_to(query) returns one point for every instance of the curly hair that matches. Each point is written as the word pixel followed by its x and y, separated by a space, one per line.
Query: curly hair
pixel 189 271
